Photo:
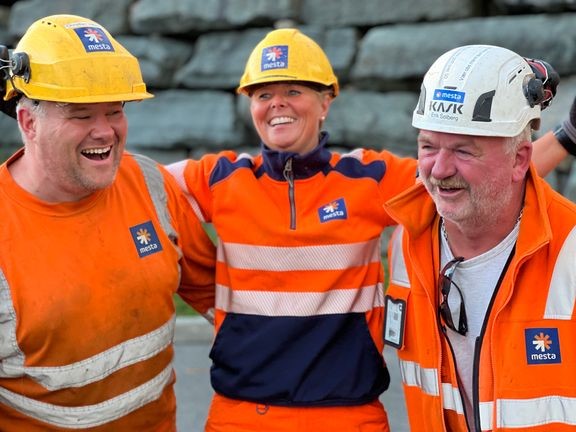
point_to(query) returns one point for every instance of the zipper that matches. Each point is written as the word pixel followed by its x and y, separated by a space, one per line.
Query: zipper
pixel 444 335
pixel 289 176
pixel 479 341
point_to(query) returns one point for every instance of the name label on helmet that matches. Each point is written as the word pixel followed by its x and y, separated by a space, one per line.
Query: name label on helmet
pixel 94 39
pixel 274 57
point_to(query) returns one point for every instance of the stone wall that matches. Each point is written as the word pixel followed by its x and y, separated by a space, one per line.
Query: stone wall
pixel 193 52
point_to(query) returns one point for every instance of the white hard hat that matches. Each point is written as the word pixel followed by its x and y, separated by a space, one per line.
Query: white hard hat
pixel 479 90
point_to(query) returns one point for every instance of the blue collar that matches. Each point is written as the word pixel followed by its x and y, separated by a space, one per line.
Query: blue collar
pixel 303 166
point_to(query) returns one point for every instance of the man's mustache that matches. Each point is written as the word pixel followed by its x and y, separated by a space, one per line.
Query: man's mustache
pixel 448 183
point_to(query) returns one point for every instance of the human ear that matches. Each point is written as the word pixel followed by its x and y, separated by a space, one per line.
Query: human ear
pixel 522 160
pixel 26 122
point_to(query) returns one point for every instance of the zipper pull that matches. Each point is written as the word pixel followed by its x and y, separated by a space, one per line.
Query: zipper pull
pixel 288 173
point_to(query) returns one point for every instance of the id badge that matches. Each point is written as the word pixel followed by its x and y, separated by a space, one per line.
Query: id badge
pixel 394 322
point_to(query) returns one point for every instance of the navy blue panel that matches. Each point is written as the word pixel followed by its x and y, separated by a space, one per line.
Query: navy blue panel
pixel 224 167
pixel 353 168
pixel 327 360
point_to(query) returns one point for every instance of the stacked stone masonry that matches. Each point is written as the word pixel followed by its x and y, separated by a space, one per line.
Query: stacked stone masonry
pixel 192 54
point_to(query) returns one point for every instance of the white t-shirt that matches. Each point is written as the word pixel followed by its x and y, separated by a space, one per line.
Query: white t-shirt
pixel 477 278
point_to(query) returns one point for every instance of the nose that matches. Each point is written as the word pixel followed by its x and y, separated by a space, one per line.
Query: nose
pixel 443 165
pixel 102 128
pixel 278 101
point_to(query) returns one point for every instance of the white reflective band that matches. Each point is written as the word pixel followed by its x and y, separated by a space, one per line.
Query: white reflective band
pixel 451 398
pixel 525 413
pixel 88 416
pixel 486 409
pixel 157 190
pixel 424 378
pixel 354 154
pixel 9 349
pixel 209 315
pixel 268 303
pixel 398 270
pixel 177 171
pixel 562 291
pixel 322 257
pixel 96 367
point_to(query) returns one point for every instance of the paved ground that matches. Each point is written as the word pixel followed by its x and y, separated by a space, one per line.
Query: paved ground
pixel 193 391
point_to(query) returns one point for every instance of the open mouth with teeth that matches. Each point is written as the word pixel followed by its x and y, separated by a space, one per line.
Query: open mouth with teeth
pixel 448 189
pixel 97 153
pixel 281 120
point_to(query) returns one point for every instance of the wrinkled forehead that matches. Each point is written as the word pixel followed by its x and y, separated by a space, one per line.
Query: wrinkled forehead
pixel 69 107
pixel 454 140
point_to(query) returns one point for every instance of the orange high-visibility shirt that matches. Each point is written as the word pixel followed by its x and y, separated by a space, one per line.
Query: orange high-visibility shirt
pixel 299 275
pixel 86 302
pixel 525 360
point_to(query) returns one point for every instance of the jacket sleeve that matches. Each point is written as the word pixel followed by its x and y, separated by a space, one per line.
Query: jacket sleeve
pixel 198 262
pixel 401 174
pixel 398 175
pixel 193 177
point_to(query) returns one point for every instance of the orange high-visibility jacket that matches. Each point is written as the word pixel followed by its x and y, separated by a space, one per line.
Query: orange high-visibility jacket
pixel 525 365
pixel 299 276
pixel 86 302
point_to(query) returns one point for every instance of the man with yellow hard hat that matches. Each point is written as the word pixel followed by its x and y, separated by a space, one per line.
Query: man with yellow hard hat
pixel 95 242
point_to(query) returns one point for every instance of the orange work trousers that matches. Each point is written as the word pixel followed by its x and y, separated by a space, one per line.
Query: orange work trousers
pixel 230 415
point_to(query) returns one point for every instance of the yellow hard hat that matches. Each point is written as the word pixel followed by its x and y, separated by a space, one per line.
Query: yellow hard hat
pixel 287 55
pixel 68 58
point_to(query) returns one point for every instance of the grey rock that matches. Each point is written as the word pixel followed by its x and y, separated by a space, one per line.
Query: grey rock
pixel 219 59
pixel 512 6
pixel 160 57
pixel 375 12
pixel 405 52
pixel 177 16
pixel 373 120
pixel 184 119
pixel 112 14
pixel 260 12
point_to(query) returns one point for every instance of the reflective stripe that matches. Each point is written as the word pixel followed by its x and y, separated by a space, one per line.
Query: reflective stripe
pixel 177 171
pixel 524 413
pixel 486 419
pixel 322 257
pixel 156 188
pixel 9 349
pixel 82 417
pixel 354 154
pixel 269 303
pixel 562 291
pixel 424 378
pixel 96 367
pixel 209 315
pixel 451 398
pixel 398 270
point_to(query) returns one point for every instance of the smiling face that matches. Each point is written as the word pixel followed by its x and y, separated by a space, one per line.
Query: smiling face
pixel 288 116
pixel 471 179
pixel 72 150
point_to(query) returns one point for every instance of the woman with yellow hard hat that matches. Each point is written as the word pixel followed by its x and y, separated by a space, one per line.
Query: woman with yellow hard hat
pixel 300 295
